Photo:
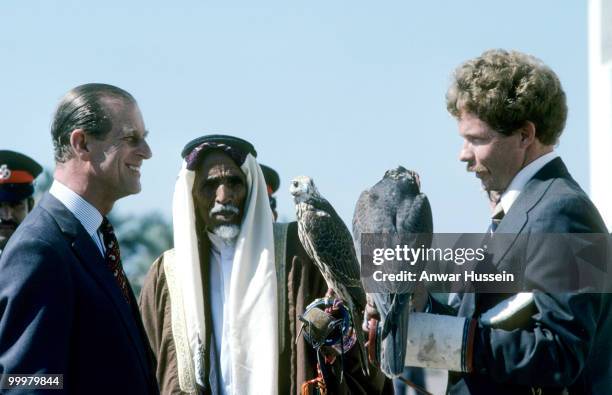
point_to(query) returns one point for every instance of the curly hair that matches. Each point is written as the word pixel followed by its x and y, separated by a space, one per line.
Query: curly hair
pixel 505 89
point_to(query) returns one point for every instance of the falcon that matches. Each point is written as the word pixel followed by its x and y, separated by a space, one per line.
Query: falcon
pixel 329 244
pixel 396 208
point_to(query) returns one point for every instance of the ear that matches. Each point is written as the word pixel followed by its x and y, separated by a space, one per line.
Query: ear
pixel 78 142
pixel 528 134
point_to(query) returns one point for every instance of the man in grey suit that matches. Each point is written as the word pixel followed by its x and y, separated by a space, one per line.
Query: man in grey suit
pixel 66 307
pixel 511 111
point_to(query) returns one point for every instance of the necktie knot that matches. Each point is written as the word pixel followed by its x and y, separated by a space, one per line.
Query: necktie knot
pixel 497 216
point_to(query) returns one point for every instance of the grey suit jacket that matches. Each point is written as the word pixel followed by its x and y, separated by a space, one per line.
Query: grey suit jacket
pixel 567 343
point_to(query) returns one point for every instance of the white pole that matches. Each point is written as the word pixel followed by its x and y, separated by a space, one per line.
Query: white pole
pixel 600 105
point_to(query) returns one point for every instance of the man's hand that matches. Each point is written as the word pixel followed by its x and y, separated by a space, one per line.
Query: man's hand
pixel 369 313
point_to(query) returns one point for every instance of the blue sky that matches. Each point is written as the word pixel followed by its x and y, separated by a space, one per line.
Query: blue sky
pixel 340 91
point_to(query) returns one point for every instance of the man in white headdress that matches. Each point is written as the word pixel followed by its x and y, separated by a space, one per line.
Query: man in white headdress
pixel 221 309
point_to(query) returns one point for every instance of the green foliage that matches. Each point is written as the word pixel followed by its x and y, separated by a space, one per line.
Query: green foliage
pixel 43 183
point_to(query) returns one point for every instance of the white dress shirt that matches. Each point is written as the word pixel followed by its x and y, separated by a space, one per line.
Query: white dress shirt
pixel 88 215
pixel 221 258
pixel 522 178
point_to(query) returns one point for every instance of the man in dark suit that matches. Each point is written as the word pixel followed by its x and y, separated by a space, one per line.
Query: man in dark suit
pixel 511 110
pixel 66 307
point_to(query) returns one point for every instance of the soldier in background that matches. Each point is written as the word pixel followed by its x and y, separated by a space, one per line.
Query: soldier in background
pixel 17 174
pixel 273 183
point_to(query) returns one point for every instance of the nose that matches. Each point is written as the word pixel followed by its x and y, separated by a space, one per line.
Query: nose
pixel 145 151
pixel 466 154
pixel 224 194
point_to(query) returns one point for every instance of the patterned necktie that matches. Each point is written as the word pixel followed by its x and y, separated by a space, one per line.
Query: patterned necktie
pixel 112 257
pixel 496 218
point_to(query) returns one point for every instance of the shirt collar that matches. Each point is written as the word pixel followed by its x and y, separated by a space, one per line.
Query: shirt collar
pixel 522 178
pixel 88 215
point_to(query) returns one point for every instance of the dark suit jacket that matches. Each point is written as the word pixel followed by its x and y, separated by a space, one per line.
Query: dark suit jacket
pixel 62 312
pixel 567 342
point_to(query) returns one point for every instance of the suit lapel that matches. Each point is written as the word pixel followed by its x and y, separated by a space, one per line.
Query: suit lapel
pixel 92 260
pixel 90 257
pixel 515 220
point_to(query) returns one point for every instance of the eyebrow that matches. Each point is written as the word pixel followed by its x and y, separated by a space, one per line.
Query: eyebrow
pixel 225 176
pixel 132 132
pixel 229 177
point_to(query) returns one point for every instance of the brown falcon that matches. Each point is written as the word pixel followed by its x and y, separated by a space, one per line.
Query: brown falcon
pixel 329 244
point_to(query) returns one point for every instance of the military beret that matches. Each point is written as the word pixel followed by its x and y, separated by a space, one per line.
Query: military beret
pixel 17 174
pixel 235 147
pixel 272 178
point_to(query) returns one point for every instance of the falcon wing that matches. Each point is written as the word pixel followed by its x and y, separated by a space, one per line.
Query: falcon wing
pixel 332 246
pixel 415 216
